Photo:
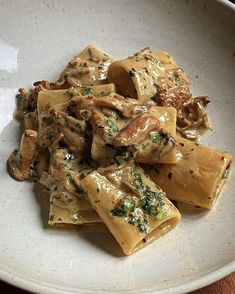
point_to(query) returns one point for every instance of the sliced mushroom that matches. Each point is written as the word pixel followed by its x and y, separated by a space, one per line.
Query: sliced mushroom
pixel 192 119
pixel 137 130
pixel 75 142
pixel 127 182
pixel 175 97
pixel 21 161
pixel 80 107
pixel 117 103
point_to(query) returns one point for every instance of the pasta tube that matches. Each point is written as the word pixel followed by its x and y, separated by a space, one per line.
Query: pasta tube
pixel 133 208
pixel 87 68
pixel 107 130
pixel 141 76
pixel 197 178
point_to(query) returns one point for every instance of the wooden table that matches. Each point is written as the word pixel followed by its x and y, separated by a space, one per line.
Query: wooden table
pixel 224 286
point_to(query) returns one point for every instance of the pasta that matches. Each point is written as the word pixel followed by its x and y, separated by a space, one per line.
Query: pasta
pixel 155 75
pixel 111 142
pixel 204 172
pixel 141 75
pixel 158 146
pixel 88 68
pixel 135 210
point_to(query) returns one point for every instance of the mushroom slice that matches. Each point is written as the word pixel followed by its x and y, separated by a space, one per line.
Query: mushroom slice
pixel 175 97
pixel 20 161
pixel 192 119
pixel 137 130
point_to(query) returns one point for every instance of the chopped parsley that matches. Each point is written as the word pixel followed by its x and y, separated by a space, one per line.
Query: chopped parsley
pixel 191 171
pixel 51 218
pixel 143 226
pixel 122 155
pixel 122 152
pixel 127 206
pixel 178 82
pixel 136 210
pixel 118 212
pixel 86 90
pixel 113 128
pixel 157 87
pixel 152 202
pixel 156 137
pixel 144 145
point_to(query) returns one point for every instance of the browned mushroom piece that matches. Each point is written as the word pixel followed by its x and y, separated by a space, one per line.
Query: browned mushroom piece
pixel 80 107
pixel 137 130
pixel 192 119
pixel 175 97
pixel 117 103
pixel 20 161
pixel 76 142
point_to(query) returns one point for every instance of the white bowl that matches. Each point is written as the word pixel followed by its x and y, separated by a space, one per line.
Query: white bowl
pixel 37 38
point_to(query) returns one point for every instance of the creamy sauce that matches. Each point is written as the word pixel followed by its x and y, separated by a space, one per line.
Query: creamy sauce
pixel 150 72
pixel 88 68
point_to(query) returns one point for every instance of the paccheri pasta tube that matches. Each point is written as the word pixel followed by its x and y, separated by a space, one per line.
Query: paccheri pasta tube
pixel 55 124
pixel 88 68
pixel 134 209
pixel 197 178
pixel 53 97
pixel 68 202
pixel 141 76
pixel 149 134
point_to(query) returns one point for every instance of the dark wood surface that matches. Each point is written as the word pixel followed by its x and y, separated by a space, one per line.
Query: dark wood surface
pixel 224 286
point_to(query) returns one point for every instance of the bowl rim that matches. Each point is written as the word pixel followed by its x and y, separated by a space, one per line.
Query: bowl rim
pixel 43 287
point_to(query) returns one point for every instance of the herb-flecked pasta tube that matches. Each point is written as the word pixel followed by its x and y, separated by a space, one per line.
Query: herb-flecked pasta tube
pixel 150 150
pixel 87 68
pixel 197 178
pixel 141 76
pixel 133 208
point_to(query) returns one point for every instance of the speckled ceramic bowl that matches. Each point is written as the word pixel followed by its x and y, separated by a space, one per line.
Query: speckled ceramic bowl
pixel 37 38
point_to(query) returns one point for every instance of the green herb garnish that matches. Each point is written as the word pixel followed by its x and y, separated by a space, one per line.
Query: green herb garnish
pixel 157 87
pixel 144 145
pixel 86 90
pixel 178 82
pixel 113 128
pixel 156 137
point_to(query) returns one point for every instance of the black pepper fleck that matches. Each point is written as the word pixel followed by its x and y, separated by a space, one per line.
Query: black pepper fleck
pixel 170 175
